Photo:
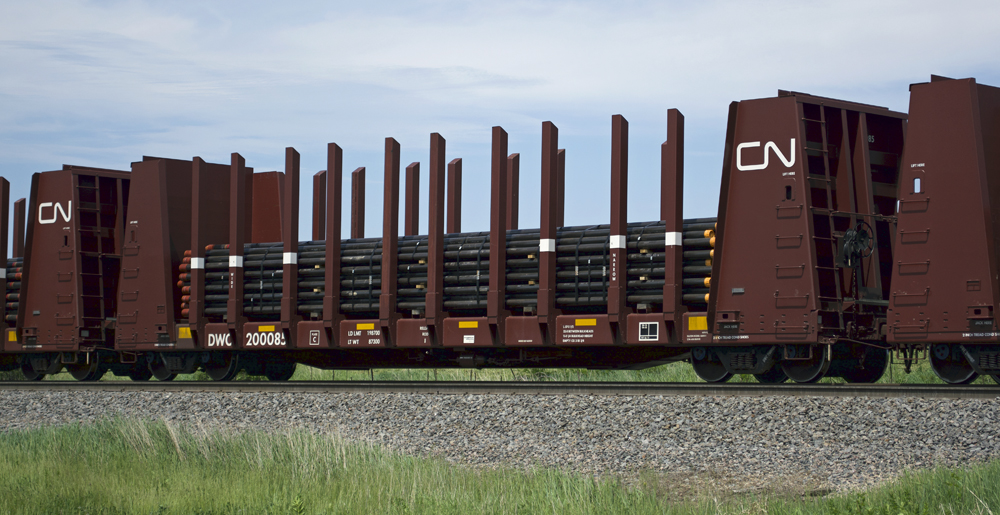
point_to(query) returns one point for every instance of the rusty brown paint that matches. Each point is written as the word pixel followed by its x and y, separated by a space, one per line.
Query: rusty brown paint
pixel 454 196
pixel 513 189
pixel 319 206
pixel 672 214
pixel 358 203
pixel 388 314
pixel 411 222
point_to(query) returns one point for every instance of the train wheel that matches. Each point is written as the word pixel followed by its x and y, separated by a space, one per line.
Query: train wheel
pixel 708 366
pixel 996 378
pixel 160 371
pixel 140 373
pixel 86 371
pixel 223 366
pixel 774 376
pixel 874 366
pixel 30 373
pixel 806 370
pixel 281 371
pixel 950 365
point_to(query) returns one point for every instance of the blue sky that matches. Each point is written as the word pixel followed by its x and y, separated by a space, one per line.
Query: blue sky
pixel 102 83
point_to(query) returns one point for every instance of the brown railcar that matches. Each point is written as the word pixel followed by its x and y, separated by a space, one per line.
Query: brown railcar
pixel 830 255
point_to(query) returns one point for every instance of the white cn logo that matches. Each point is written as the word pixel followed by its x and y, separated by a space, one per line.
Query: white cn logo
pixel 770 145
pixel 56 210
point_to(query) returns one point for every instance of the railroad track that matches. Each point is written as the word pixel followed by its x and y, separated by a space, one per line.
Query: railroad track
pixel 932 391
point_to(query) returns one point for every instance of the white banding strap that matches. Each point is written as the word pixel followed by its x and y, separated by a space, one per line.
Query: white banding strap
pixel 674 239
pixel 197 263
pixel 618 242
pixel 547 245
pixel 235 261
pixel 290 258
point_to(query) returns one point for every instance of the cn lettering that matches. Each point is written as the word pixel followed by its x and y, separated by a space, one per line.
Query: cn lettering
pixel 769 146
pixel 56 211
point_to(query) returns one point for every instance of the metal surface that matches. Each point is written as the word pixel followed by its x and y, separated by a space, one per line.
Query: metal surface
pixel 18 248
pixel 789 196
pixel 72 260
pixel 411 218
pixel 358 203
pixel 949 200
pixel 513 189
pixel 454 211
pixel 804 275
pixel 319 206
pixel 528 388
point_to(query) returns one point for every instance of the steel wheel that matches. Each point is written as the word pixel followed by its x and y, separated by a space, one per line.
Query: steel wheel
pixel 281 371
pixel 872 369
pixel 85 371
pixel 223 366
pixel 160 371
pixel 708 366
pixel 140 373
pixel 30 373
pixel 774 376
pixel 806 370
pixel 950 365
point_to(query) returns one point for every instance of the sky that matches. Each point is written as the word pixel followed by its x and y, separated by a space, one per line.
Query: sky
pixel 103 83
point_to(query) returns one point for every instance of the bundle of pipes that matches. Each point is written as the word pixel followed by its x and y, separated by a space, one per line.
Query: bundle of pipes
pixel 13 293
pixel 582 256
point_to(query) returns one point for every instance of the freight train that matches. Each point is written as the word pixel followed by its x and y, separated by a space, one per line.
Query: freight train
pixel 848 236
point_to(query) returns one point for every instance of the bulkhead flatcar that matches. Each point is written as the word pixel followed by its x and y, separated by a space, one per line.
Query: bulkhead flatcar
pixel 833 253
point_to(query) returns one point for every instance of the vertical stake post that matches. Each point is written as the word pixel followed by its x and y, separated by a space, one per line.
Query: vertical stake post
pixel 561 188
pixel 455 196
pixel 290 253
pixel 387 313
pixel 197 303
pixel 411 223
pixel 4 214
pixel 549 220
pixel 19 219
pixel 617 309
pixel 238 178
pixel 672 214
pixel 496 302
pixel 334 200
pixel 358 203
pixel 434 299
pixel 319 205
pixel 513 185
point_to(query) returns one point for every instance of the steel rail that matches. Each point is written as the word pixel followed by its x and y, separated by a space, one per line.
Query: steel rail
pixel 929 391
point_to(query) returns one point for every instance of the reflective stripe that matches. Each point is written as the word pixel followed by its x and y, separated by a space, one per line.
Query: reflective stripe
pixel 546 245
pixel 197 263
pixel 290 258
pixel 674 239
pixel 3 273
pixel 618 242
pixel 235 261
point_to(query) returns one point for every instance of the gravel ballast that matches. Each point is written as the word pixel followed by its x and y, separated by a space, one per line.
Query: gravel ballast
pixel 743 443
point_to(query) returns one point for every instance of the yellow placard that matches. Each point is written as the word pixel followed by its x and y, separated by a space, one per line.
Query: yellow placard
pixel 265 328
pixel 697 323
pixel 183 333
pixel 586 321
pixel 369 327
pixel 12 335
pixel 468 324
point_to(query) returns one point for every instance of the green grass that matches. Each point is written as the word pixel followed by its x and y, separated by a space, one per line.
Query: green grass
pixel 154 467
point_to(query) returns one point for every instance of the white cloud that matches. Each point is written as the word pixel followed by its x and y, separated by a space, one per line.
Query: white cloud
pixel 103 83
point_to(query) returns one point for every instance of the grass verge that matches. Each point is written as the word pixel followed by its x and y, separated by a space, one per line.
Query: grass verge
pixel 129 466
